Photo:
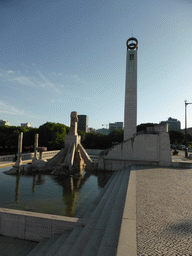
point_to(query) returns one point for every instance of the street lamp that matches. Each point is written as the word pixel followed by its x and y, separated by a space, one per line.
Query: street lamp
pixel 186 141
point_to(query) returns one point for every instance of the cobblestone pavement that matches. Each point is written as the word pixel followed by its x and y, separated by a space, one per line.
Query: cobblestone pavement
pixel 164 211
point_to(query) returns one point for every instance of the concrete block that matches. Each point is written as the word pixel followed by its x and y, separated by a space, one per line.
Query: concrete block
pixel 38 247
pixel 59 226
pixel 111 235
pixel 13 225
pixel 127 242
pixel 37 228
pixel 130 202
pixel 106 251
pixel 58 243
pixel 94 243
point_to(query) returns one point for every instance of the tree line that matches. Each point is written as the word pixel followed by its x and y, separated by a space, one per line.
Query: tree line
pixel 52 136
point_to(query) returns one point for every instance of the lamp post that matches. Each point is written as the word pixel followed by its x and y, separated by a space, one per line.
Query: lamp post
pixel 186 141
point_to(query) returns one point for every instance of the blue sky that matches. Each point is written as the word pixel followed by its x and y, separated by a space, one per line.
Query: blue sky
pixel 62 56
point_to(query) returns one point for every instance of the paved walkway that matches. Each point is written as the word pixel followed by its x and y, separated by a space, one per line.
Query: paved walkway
pixel 181 157
pixel 164 211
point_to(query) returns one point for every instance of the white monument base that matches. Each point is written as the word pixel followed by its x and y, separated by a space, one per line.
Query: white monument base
pixel 149 148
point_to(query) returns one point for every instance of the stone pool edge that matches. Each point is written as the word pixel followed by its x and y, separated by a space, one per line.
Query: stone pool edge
pixel 34 226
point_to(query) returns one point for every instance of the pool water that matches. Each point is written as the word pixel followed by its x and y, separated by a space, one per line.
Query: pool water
pixel 43 193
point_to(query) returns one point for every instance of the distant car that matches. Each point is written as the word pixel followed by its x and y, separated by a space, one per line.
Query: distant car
pixel 182 147
pixel 173 146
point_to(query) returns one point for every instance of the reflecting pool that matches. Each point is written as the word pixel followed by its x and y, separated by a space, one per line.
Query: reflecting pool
pixel 43 193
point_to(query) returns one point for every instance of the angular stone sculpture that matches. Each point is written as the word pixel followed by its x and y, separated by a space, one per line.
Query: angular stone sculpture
pixel 73 158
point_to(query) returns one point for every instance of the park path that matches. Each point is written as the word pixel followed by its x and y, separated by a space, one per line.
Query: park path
pixel 164 211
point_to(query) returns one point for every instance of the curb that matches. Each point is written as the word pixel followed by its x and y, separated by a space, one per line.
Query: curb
pixel 127 245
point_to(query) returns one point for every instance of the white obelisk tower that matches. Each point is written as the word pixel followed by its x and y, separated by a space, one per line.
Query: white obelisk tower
pixel 130 118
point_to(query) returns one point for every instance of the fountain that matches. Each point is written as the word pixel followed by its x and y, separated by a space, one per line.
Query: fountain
pixel 71 160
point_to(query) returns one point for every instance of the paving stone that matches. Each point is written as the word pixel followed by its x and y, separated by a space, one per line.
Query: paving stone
pixel 164 211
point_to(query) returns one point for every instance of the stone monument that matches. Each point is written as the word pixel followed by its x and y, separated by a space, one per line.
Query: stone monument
pixel 19 159
pixel 18 164
pixel 72 158
pixel 151 147
pixel 130 113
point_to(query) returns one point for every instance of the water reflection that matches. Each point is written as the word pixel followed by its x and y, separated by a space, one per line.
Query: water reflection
pixel 17 188
pixel 34 183
pixel 69 195
pixel 39 181
pixel 71 187
pixel 103 178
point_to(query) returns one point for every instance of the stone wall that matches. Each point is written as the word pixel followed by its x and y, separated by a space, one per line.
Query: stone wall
pixel 34 226
pixel 143 147
pixel 28 156
pixel 152 148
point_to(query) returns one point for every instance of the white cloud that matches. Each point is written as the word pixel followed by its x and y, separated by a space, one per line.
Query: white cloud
pixel 9 109
pixel 35 80
pixel 12 110
pixel 23 80
pixel 10 72
pixel 77 79
pixel 57 74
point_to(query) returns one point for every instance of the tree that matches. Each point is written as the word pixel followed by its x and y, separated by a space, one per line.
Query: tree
pixel 52 135
pixel 100 141
pixel 176 137
pixel 82 134
pixel 115 136
pixel 95 141
pixel 142 127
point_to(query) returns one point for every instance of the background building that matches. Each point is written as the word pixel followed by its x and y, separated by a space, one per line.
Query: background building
pixel 173 124
pixel 103 131
pixel 26 125
pixel 115 126
pixel 83 123
pixel 3 122
pixel 91 129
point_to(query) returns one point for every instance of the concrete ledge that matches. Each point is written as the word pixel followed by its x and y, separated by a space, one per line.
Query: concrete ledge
pixel 6 164
pixel 94 151
pixel 121 164
pixel 27 156
pixel 127 245
pixel 34 226
pixel 184 165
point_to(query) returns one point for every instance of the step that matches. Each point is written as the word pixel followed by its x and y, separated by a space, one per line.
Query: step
pixel 97 234
pixel 38 247
pixel 82 241
pixel 110 239
pixel 27 250
pixel 58 243
pixel 91 208
pixel 68 244
pixel 98 199
pixel 101 205
pixel 45 248
pixel 70 241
